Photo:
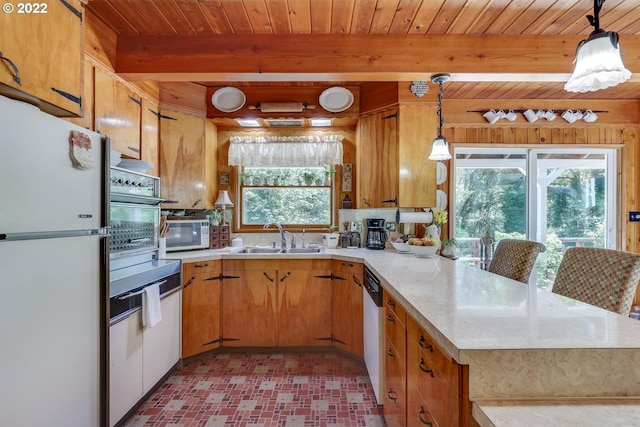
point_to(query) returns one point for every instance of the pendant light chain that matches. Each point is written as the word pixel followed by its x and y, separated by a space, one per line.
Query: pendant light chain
pixel 440 93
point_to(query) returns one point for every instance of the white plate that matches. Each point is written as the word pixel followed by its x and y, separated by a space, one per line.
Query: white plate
pixel 228 99
pixel 336 99
pixel 441 200
pixel 441 173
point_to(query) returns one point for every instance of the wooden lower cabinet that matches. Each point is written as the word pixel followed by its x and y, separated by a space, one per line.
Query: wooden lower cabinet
pixel 346 307
pixel 395 398
pixel 436 382
pixel 304 303
pixel 201 328
pixel 249 317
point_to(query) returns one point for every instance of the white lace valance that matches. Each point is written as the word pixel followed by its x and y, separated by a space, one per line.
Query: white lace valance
pixel 289 151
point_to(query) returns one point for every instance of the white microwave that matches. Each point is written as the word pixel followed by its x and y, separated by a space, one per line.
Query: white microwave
pixel 186 235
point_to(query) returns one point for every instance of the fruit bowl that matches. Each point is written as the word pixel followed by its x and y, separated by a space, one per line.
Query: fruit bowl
pixel 424 251
pixel 402 247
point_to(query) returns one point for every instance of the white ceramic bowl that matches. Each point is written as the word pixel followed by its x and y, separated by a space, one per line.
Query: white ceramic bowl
pixel 402 247
pixel 424 251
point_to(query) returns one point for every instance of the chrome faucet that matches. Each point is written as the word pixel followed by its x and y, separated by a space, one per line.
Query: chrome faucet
pixel 277 224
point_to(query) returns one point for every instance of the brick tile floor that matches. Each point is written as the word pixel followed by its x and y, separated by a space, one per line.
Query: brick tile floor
pixel 323 389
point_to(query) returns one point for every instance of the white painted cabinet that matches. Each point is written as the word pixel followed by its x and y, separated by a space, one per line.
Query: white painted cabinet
pixel 125 366
pixel 161 344
pixel 139 358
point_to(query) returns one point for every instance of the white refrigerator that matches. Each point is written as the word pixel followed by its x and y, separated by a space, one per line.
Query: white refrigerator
pixel 53 270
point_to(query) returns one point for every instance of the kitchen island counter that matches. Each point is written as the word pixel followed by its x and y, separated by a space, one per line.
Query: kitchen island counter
pixel 520 342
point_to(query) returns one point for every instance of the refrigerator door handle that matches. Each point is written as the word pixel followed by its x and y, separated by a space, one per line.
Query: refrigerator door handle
pixel 102 232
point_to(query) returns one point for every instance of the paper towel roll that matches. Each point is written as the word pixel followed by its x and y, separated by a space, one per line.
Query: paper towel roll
pixel 414 217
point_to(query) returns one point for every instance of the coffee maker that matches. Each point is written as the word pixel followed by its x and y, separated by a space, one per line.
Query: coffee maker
pixel 376 236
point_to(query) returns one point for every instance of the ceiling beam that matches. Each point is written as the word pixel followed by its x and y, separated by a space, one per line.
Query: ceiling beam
pixel 355 57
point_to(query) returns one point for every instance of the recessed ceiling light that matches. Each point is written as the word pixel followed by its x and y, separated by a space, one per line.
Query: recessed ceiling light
pixel 321 122
pixel 248 122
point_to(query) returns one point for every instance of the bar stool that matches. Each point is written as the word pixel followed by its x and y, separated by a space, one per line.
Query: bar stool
pixel 515 258
pixel 605 278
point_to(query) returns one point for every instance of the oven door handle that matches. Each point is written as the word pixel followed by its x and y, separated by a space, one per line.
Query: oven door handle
pixel 127 296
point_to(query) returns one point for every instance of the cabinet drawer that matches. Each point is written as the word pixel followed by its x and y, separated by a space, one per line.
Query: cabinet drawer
pixel 202 267
pixel 395 392
pixel 437 360
pixel 347 268
pixel 396 332
pixel 393 305
pixel 417 413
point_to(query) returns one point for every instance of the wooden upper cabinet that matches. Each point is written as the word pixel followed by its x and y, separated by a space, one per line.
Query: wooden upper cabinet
pixel 117 113
pixel 86 118
pixel 393 149
pixel 378 160
pixel 149 137
pixel 42 55
pixel 416 173
pixel 186 175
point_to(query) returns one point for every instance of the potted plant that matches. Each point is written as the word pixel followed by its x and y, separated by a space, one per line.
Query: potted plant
pixel 308 178
pixel 448 248
pixel 327 176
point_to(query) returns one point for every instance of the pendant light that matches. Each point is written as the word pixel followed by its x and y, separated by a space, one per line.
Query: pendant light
pixel 598 61
pixel 440 147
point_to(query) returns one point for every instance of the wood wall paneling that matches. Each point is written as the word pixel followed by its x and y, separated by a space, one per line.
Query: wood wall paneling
pixel 149 135
pixel 186 97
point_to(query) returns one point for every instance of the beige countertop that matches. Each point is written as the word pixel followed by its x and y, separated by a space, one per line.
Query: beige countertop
pixel 520 342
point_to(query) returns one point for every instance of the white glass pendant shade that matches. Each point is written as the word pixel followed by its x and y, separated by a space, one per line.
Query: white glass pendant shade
pixel 598 64
pixel 440 149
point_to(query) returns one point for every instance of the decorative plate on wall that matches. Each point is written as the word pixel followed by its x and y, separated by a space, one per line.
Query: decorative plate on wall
pixel 441 200
pixel 442 173
pixel 336 99
pixel 228 99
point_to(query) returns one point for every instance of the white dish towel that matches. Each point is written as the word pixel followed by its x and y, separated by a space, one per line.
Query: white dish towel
pixel 151 313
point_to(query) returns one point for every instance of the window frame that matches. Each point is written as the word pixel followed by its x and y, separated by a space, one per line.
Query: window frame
pixel 240 227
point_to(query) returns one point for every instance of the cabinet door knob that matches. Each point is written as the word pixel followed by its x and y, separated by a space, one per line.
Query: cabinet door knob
pixel 390 318
pixel 390 353
pixel 267 276
pixel 393 396
pixel 423 343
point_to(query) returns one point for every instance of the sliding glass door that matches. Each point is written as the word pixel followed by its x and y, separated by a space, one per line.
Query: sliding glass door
pixel 561 197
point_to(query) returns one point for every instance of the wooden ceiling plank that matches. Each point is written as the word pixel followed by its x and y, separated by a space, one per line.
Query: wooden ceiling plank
pixel 494 10
pixel 567 21
pixel 258 15
pixel 128 10
pixel 174 15
pixel 279 16
pixel 363 16
pixel 383 16
pixel 509 14
pixel 446 16
pixel 524 22
pixel 616 15
pixel 195 16
pixel 471 12
pixel 425 16
pixel 555 12
pixel 216 16
pixel 237 16
pixel 300 16
pixel 321 16
pixel 109 13
pixel 405 13
pixel 152 14
pixel 341 16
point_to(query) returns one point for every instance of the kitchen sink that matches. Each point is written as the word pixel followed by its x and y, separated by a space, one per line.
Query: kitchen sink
pixel 303 250
pixel 255 250
pixel 261 251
